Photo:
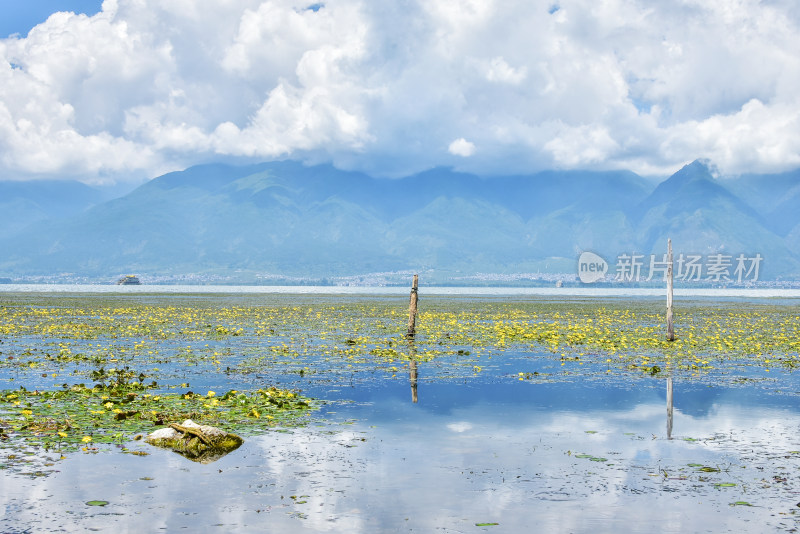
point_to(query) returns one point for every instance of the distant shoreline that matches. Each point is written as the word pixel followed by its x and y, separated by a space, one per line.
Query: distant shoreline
pixel 587 292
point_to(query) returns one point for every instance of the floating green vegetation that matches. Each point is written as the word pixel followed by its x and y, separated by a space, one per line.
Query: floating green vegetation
pixel 591 457
pixel 708 469
pixel 49 344
pixel 78 415
pixel 56 331
pixel 199 443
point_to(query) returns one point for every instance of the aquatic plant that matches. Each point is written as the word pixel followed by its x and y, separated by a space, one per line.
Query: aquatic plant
pixel 142 353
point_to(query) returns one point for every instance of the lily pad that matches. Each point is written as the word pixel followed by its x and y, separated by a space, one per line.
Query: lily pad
pixel 76 414
pixel 96 503
pixel 592 457
pixel 707 469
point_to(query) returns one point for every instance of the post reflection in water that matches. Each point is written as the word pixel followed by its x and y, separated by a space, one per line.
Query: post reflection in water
pixel 669 407
pixel 412 374
pixel 412 370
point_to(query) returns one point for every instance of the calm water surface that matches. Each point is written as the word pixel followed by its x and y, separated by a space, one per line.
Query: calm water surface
pixel 747 293
pixel 441 448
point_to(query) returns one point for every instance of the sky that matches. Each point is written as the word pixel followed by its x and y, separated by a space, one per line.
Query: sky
pixel 135 88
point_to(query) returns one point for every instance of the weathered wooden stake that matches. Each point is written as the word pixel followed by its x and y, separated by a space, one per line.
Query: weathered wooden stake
pixel 670 327
pixel 412 309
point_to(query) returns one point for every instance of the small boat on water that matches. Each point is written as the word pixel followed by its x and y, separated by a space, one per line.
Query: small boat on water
pixel 128 280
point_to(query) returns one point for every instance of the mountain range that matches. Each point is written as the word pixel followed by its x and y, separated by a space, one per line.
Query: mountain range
pixel 283 220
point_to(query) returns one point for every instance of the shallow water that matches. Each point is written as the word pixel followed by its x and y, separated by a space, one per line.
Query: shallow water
pixel 583 291
pixel 572 449
pixel 454 460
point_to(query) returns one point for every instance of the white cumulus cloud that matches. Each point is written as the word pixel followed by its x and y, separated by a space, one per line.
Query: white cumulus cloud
pixel 146 86
pixel 461 147
pixel 500 71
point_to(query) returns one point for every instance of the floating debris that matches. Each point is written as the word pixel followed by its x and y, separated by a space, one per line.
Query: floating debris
pixel 199 443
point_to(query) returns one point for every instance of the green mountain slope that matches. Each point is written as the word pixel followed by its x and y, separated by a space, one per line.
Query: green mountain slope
pixel 285 218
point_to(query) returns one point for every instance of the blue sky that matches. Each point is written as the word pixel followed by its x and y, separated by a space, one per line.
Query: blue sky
pixel 143 87
pixel 20 16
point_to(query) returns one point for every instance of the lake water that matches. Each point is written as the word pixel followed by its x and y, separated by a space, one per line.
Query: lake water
pixel 447 445
pixel 393 290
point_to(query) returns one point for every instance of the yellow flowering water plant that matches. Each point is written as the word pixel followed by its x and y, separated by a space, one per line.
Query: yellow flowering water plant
pixel 141 352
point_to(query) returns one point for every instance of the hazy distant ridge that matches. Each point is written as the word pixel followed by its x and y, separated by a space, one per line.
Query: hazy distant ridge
pixel 289 219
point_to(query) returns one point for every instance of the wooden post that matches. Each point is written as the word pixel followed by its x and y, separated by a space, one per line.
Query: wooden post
pixel 412 309
pixel 670 327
